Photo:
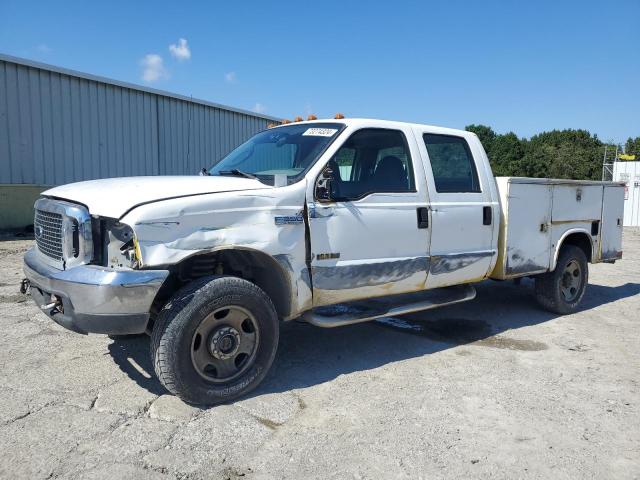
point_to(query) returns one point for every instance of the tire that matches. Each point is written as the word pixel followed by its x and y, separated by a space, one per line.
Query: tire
pixel 200 337
pixel 561 290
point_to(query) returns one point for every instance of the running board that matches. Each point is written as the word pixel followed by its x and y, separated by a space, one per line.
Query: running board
pixel 370 309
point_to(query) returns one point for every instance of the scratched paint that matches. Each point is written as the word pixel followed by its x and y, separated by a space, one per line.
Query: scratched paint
pixel 451 263
pixel 518 263
pixel 367 274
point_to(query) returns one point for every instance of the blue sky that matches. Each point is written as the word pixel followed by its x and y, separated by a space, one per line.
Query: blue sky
pixel 516 66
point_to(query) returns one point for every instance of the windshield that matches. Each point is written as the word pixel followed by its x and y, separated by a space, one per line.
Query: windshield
pixel 287 151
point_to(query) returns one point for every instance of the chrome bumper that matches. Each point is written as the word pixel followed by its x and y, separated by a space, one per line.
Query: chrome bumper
pixel 94 299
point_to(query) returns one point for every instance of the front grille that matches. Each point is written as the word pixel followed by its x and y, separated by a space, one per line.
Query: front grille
pixel 48 232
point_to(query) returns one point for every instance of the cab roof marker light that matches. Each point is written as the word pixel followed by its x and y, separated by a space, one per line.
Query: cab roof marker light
pixel 312 117
pixel 338 116
pixel 297 119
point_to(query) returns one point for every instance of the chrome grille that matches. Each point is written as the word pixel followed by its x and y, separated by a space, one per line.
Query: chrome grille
pixel 47 228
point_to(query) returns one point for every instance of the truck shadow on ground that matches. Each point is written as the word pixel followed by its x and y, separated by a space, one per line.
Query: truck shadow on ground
pixel 308 355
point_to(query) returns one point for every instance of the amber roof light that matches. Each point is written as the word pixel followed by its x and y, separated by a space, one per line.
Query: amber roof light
pixel 339 116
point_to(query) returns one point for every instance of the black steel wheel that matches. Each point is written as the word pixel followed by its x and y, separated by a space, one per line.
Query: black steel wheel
pixel 561 290
pixel 225 344
pixel 215 340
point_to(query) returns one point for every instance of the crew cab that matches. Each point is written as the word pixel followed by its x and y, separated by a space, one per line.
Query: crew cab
pixel 331 222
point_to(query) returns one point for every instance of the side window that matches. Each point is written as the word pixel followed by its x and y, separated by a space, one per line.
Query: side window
pixel 372 160
pixel 344 158
pixel 454 170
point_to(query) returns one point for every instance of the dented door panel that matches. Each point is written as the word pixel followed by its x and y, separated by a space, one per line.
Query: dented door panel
pixel 367 248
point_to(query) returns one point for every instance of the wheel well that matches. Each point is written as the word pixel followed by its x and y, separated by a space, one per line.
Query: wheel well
pixel 256 267
pixel 580 240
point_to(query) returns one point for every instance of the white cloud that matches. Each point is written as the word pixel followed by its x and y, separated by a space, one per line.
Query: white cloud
pixel 181 51
pixel 230 77
pixel 259 108
pixel 153 68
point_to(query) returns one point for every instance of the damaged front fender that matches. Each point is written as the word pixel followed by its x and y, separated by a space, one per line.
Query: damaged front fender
pixel 170 231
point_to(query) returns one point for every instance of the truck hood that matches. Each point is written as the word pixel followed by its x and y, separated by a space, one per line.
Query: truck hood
pixel 113 197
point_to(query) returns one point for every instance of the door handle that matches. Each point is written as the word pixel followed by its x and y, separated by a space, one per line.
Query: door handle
pixel 423 217
pixel 486 215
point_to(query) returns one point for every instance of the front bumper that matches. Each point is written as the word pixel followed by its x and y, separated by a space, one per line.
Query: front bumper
pixel 94 299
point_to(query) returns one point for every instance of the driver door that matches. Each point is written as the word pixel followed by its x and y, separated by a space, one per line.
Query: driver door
pixel 371 238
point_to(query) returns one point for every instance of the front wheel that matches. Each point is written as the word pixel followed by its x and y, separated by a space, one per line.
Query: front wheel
pixel 561 290
pixel 215 340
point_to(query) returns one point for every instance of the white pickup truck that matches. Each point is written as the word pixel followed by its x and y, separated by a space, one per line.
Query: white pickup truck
pixel 330 221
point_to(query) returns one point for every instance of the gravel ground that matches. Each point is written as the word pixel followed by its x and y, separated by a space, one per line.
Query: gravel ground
pixel 491 388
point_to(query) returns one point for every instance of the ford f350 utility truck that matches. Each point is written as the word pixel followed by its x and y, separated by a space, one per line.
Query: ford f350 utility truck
pixel 330 221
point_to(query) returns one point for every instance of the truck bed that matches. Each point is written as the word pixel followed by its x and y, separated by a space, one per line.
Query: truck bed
pixel 539 213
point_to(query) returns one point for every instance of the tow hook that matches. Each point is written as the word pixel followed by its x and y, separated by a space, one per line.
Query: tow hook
pixel 25 286
pixel 54 306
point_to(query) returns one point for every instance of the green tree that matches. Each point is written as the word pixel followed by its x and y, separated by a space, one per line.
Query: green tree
pixel 506 154
pixel 632 147
pixel 484 133
pixel 573 154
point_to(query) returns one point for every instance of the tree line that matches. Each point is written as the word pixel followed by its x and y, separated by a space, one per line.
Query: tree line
pixel 574 154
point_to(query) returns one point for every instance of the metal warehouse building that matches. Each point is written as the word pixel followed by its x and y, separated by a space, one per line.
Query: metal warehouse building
pixel 59 126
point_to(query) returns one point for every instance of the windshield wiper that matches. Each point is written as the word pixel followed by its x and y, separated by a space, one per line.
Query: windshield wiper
pixel 238 173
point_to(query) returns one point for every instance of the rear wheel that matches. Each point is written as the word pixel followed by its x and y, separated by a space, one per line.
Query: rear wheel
pixel 561 291
pixel 215 340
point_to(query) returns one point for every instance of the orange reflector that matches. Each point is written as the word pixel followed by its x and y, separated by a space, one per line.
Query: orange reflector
pixel 297 119
pixel 312 117
pixel 339 116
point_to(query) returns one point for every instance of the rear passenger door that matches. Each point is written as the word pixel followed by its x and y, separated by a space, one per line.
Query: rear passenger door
pixel 463 209
pixel 368 240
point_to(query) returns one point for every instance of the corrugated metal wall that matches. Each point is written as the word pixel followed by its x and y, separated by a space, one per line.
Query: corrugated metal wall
pixel 58 126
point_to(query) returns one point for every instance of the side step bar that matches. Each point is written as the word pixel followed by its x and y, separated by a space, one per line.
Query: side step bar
pixel 370 309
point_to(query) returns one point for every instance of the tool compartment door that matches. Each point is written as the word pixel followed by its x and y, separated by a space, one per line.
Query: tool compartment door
pixel 612 219
pixel 528 239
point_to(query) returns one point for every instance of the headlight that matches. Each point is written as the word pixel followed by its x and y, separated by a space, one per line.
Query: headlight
pixel 122 247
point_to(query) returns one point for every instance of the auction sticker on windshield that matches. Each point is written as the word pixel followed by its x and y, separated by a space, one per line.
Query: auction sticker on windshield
pixel 320 132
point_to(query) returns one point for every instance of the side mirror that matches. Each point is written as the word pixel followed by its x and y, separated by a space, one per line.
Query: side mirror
pixel 323 185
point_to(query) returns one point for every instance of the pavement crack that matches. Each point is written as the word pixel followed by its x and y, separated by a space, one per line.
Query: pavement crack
pixel 270 424
pixel 15 419
pixel 301 403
